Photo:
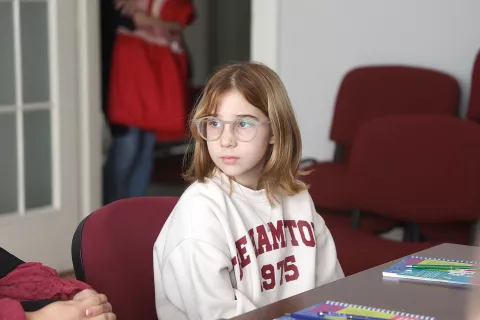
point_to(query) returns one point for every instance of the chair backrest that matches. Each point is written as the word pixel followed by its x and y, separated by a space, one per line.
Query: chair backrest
pixel 373 91
pixel 417 168
pixel 112 250
pixel 473 112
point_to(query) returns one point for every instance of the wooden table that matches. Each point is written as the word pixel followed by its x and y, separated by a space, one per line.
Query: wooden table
pixel 369 288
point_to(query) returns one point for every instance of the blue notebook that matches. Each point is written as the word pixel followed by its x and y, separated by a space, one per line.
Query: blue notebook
pixel 454 276
pixel 351 309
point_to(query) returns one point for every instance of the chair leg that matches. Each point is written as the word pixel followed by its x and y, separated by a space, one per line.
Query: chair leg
pixel 412 233
pixel 475 233
pixel 338 154
pixel 407 233
pixel 356 219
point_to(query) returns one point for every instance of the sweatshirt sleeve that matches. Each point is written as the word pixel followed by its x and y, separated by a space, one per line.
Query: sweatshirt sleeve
pixel 34 281
pixel 11 310
pixel 328 267
pixel 196 279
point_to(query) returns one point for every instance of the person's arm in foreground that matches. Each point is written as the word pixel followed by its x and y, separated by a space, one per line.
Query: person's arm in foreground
pixel 29 286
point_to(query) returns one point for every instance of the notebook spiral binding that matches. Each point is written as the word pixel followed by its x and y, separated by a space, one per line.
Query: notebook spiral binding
pixel 446 260
pixel 395 313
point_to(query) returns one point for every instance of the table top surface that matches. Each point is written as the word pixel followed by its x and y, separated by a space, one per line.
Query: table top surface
pixel 370 289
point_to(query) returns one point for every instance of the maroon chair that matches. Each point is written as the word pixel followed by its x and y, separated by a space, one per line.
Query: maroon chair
pixel 473 113
pixel 457 233
pixel 359 250
pixel 367 93
pixel 112 250
pixel 420 169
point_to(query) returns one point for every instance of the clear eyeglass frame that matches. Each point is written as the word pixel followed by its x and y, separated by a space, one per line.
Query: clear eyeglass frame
pixel 244 134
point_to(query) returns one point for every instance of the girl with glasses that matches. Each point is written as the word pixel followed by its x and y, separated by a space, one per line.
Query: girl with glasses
pixel 147 89
pixel 245 233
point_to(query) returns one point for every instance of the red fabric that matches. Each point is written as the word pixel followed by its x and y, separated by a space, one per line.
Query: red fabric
pixel 33 281
pixel 181 11
pixel 373 91
pixel 11 310
pixel 148 88
pixel 149 82
pixel 117 242
pixel 474 101
pixel 417 168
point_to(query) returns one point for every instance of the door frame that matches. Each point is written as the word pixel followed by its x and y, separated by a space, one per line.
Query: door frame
pixel 90 109
pixel 52 224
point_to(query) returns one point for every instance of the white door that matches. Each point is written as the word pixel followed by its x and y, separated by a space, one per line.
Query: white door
pixel 39 148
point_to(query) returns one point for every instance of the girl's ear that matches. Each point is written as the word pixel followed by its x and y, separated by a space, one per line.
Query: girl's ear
pixel 272 140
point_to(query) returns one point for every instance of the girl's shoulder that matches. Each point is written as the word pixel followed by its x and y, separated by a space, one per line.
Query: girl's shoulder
pixel 205 196
pixel 299 206
pixel 301 197
pixel 199 214
pixel 208 189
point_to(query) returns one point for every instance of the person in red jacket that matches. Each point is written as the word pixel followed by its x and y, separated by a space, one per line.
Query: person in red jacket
pixel 147 92
pixel 32 291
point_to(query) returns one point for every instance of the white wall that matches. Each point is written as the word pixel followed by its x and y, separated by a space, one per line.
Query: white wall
pixel 264 32
pixel 319 40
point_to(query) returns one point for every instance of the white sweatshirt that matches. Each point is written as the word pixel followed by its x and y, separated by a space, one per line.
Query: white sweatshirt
pixel 216 259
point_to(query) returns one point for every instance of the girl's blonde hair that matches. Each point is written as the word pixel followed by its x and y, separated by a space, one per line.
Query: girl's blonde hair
pixel 262 88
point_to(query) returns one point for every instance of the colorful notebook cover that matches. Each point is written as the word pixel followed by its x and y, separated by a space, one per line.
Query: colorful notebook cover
pixel 456 276
pixel 351 309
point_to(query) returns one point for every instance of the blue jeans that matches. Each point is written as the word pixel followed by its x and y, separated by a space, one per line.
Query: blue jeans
pixel 129 165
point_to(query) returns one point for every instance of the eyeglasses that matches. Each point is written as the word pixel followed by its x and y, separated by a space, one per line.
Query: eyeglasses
pixel 243 129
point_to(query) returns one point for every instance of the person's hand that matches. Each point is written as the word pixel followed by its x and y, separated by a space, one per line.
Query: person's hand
pixel 84 294
pixel 170 26
pixel 94 310
pixel 94 307
pixel 167 29
pixel 170 30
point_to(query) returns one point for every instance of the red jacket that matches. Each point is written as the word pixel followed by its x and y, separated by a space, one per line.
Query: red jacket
pixel 149 74
pixel 33 281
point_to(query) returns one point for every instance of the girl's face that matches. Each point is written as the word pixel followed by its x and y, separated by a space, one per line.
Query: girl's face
pixel 243 160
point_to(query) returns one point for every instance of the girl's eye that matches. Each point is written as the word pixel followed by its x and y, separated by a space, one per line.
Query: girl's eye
pixel 215 123
pixel 245 124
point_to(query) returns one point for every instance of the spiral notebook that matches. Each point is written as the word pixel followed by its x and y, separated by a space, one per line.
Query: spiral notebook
pixel 402 270
pixel 352 309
